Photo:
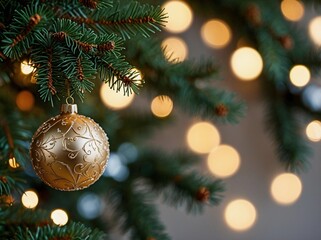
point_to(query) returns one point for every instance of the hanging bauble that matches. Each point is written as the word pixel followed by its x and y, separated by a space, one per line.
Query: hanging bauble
pixel 70 151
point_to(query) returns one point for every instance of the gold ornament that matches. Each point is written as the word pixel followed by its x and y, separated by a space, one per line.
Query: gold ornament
pixel 70 151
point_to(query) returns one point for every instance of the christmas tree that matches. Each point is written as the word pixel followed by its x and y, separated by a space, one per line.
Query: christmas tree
pixel 57 162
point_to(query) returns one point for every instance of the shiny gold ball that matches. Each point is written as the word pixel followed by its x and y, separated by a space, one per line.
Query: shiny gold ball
pixel 70 151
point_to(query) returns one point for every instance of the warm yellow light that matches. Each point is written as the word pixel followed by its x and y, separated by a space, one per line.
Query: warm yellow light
pixel 286 188
pixel 292 10
pixel 246 63
pixel 240 215
pixel 29 199
pixel 314 30
pixel 25 100
pixel 162 106
pixel 223 161
pixel 300 75
pixel 180 16
pixel 115 100
pixel 216 33
pixel 203 137
pixel 59 217
pixel 26 68
pixel 175 49
pixel 13 163
pixel 313 131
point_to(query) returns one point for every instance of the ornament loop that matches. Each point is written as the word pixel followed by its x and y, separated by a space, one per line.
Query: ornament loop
pixel 70 98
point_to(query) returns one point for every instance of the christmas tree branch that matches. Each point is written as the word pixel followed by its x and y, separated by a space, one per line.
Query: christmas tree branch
pixel 70 231
pixel 135 212
pixel 119 75
pixel 179 80
pixel 170 175
pixel 130 20
pixel 20 33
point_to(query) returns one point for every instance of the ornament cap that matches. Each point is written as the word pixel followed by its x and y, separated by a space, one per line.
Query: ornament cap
pixel 69 108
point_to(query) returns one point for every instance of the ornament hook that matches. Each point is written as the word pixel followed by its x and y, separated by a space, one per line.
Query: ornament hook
pixel 71 99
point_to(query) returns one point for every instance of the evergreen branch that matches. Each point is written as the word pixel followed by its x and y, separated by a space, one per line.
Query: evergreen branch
pixel 50 78
pixel 119 75
pixel 14 216
pixel 168 174
pixel 34 20
pixel 80 82
pixel 70 231
pixel 128 21
pixel 19 36
pixel 179 80
pixel 136 214
pixel 46 57
pixel 14 135
pixel 10 183
pixel 293 150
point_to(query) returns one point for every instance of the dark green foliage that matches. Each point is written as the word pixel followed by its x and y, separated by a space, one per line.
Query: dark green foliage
pixel 71 231
pixel 64 50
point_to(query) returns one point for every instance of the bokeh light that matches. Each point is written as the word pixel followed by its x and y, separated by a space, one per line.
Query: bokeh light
pixel 314 30
pixel 25 100
pixel 311 96
pixel 180 16
pixel 162 106
pixel 90 205
pixel 300 75
pixel 292 10
pixel 223 161
pixel 13 162
pixel 29 199
pixel 240 215
pixel 216 33
pixel 59 217
pixel 116 168
pixel 202 137
pixel 175 49
pixel 129 151
pixel 246 63
pixel 113 99
pixel 26 68
pixel 313 131
pixel 286 188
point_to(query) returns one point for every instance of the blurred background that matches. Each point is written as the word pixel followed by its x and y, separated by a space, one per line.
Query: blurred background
pixel 275 205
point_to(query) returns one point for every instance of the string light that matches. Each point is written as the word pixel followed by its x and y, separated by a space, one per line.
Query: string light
pixel 175 49
pixel 240 215
pixel 292 10
pixel 29 199
pixel 216 33
pixel 13 163
pixel 162 106
pixel 180 16
pixel 202 137
pixel 313 131
pixel 246 63
pixel 59 217
pixel 299 75
pixel 314 30
pixel 286 188
pixel 25 100
pixel 223 161
pixel 26 68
